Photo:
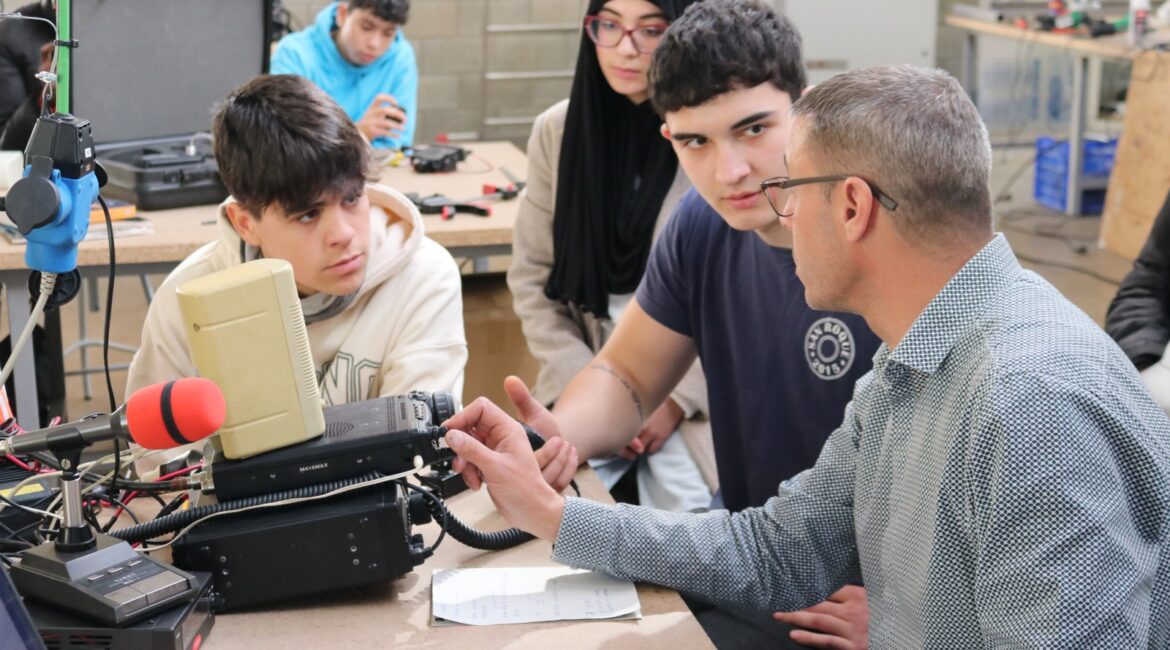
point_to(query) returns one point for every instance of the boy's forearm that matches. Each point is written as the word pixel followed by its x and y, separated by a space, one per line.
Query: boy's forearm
pixel 600 411
pixel 603 408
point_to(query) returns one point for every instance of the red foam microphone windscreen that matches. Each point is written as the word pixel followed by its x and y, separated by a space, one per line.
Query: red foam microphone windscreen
pixel 175 413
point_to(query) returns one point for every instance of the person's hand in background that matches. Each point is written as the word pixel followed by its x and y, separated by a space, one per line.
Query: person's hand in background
pixel 383 119
pixel 655 430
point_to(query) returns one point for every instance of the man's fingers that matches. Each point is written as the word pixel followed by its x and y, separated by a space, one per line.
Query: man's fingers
pixel 470 476
pixel 473 452
pixel 848 593
pixel 556 466
pixel 815 640
pixel 548 452
pixel 571 465
pixel 815 621
pixel 827 607
pixel 637 446
pixel 482 416
pixel 628 453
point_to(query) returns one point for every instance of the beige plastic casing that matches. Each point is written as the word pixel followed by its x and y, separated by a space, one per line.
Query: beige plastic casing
pixel 246 332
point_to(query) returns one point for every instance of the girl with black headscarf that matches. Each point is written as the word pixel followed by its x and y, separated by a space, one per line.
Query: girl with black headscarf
pixel 601 182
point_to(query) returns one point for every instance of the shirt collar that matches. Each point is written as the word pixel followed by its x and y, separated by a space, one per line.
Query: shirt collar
pixel 954 310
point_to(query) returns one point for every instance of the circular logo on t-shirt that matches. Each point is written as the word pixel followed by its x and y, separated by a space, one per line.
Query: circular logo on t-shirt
pixel 828 347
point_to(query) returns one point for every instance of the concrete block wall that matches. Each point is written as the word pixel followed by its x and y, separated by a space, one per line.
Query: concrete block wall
pixel 468 60
pixel 485 66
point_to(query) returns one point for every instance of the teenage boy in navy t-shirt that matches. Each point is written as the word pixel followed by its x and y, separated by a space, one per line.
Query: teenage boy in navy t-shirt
pixel 721 283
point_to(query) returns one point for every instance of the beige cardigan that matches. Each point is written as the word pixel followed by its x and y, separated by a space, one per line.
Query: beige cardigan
pixel 562 337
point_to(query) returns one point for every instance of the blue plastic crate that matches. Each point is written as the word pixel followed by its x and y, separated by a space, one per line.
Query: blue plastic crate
pixel 1051 182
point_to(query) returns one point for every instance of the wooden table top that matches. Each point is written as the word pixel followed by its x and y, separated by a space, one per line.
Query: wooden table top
pixel 178 232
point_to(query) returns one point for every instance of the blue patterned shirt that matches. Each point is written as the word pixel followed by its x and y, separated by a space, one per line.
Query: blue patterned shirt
pixel 1001 479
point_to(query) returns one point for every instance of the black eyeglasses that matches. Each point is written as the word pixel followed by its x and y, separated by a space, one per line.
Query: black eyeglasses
pixel 778 191
pixel 606 32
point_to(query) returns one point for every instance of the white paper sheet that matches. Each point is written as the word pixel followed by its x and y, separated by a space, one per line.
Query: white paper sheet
pixel 528 595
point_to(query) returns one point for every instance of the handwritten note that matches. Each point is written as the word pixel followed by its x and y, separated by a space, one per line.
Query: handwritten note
pixel 528 595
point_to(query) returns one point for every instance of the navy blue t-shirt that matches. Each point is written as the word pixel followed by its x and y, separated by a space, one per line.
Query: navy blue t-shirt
pixel 778 373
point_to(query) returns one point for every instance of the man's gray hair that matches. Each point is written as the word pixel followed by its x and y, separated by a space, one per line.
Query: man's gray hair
pixel 915 134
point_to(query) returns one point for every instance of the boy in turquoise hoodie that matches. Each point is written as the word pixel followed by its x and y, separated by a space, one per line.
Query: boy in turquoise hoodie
pixel 355 51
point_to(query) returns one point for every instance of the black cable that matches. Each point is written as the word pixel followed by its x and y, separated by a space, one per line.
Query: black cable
pixel 486 541
pixel 13 504
pixel 113 520
pixel 89 509
pixel 106 340
pixel 174 505
pixel 17 543
pixel 24 529
pixel 179 520
pixel 178 483
pixel 434 499
pixel 44 459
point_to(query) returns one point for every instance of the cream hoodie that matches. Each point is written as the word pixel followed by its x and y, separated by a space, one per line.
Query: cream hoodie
pixel 402 331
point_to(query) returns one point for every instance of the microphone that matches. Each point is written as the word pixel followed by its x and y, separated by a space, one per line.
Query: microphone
pixel 159 416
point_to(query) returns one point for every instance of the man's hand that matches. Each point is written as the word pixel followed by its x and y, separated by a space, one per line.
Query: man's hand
pixel 558 459
pixel 839 623
pixel 493 449
pixel 655 430
pixel 383 119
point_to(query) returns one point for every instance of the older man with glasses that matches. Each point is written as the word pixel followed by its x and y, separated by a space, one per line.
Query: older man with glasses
pixel 1001 479
pixel 719 284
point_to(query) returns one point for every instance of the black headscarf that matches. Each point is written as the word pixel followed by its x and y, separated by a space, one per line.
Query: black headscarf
pixel 614 172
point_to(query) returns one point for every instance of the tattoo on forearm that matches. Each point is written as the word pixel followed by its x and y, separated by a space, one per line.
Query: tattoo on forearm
pixel 633 394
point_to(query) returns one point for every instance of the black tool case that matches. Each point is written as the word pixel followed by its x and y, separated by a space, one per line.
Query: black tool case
pixel 163 174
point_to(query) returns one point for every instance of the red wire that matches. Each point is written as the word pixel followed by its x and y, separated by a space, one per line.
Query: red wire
pixel 185 470
pixel 22 465
pixel 134 494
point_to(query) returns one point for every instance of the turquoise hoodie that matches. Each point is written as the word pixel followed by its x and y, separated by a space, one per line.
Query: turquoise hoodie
pixel 312 54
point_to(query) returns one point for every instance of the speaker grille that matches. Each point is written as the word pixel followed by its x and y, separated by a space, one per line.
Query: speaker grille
pixel 335 429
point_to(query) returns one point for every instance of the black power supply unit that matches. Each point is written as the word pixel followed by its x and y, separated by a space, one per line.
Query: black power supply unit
pixel 183 627
pixel 20 524
pixel 273 554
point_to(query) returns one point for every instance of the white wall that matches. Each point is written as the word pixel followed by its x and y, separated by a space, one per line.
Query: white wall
pixel 841 35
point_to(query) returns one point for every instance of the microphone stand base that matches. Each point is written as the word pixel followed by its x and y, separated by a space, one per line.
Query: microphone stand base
pixel 110 583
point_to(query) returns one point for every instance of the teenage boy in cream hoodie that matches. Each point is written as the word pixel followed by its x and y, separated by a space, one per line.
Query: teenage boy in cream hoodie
pixel 382 302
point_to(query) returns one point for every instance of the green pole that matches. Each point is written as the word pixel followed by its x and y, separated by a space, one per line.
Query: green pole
pixel 64 55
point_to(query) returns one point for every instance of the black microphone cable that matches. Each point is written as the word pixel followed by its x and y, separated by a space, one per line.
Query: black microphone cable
pixel 484 541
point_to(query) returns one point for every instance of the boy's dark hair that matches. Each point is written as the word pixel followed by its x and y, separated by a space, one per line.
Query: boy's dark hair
pixel 718 45
pixel 394 11
pixel 279 139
